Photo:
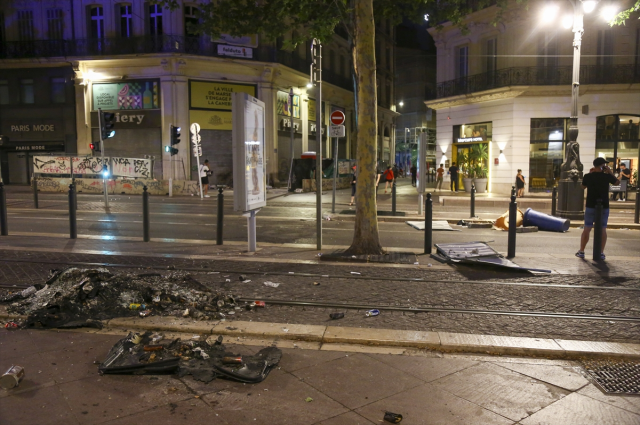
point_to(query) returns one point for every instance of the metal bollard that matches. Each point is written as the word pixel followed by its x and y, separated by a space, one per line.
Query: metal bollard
pixel 554 199
pixel 636 217
pixel 513 218
pixel 145 214
pixel 473 201
pixel 73 226
pixel 220 221
pixel 34 184
pixel 75 189
pixel 393 197
pixel 597 232
pixel 428 224
pixel 4 230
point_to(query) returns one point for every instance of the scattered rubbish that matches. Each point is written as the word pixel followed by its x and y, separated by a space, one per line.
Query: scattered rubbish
pixel 503 221
pixel 156 347
pixel 260 304
pixel 227 280
pixel 298 190
pixel 246 281
pixel 271 284
pixel 545 221
pixel 355 273
pixel 11 325
pixel 232 360
pixel 326 217
pixel 308 399
pixel 185 313
pixel 416 263
pixel 623 228
pixel 156 338
pixel 371 313
pixel 429 265
pixel 320 255
pixel 526 229
pixel 394 418
pixel 12 377
pixel 135 338
pixel 241 278
pixel 475 253
pixel 316 283
pixel 435 225
pixel 30 290
pixel 205 365
pixel 135 306
pixel 145 313
pixel 335 316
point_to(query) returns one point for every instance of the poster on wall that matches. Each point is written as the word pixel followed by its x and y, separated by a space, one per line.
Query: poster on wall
pixel 244 40
pixel 129 95
pixel 249 171
pixel 283 107
pixel 215 95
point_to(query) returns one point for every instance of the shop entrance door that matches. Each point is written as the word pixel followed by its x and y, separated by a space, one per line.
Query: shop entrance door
pixel 17 162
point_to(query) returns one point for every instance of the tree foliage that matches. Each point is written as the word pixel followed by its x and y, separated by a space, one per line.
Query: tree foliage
pixel 622 17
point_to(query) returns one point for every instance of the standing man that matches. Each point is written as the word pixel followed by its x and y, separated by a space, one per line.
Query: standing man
pixel 597 184
pixel 204 177
pixel 453 171
pixel 439 177
pixel 413 171
pixel 625 174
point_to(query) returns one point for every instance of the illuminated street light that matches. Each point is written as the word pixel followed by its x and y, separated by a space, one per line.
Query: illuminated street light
pixel 567 21
pixel 309 85
pixel 549 13
pixel 401 103
pixel 589 6
pixel 608 13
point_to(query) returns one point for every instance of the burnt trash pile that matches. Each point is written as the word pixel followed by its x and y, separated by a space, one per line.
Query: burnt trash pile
pixel 204 359
pixel 85 297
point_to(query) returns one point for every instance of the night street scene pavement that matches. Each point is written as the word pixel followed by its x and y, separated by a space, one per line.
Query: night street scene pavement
pixel 319 212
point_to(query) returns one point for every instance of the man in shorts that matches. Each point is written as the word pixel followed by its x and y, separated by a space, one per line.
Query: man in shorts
pixel 597 184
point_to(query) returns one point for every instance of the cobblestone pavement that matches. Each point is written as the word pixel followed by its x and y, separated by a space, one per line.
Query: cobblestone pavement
pixel 386 286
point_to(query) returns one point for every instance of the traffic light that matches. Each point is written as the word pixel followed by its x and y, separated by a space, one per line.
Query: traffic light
pixel 94 146
pixel 172 151
pixel 175 135
pixel 105 171
pixel 106 124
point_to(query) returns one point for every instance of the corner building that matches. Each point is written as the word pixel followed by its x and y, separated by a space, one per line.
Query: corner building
pixel 507 88
pixel 140 61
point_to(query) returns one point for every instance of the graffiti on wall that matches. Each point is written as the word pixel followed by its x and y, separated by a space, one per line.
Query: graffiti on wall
pixel 120 167
pixel 51 164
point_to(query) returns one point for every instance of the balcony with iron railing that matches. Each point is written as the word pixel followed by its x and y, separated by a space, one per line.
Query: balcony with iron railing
pixel 111 47
pixel 538 76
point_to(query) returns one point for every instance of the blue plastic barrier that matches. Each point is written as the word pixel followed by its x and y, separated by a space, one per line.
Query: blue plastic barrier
pixel 545 221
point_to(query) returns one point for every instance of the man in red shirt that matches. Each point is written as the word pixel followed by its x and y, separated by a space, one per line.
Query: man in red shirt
pixel 439 177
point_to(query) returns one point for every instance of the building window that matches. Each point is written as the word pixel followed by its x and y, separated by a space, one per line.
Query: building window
pixel 97 22
pixel 462 61
pixel 618 141
pixel 388 58
pixel 190 21
pixel 26 91
pixel 548 50
pixel 2 35
pixel 155 19
pixel 491 58
pixel 332 61
pixel 54 24
pixel 605 48
pixel 343 68
pixel 546 152
pixel 58 94
pixel 25 25
pixel 126 21
pixel 4 92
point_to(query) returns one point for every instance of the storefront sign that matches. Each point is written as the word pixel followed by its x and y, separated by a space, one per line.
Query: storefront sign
pixel 236 51
pixel 54 147
pixel 470 139
pixel 132 119
pixel 245 40
pixel 129 95
pixel 31 129
pixel 214 95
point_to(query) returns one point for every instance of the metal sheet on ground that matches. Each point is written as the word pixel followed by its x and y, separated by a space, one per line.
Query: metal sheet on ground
pixel 475 253
pixel 437 225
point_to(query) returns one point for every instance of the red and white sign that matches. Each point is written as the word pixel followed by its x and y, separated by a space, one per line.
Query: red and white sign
pixel 337 117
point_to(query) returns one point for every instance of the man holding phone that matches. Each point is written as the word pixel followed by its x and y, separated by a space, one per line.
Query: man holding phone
pixel 597 184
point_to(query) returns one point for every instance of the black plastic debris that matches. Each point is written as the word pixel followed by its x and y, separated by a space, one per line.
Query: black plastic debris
pixel 336 316
pixel 394 418
pixel 205 361
pixel 476 253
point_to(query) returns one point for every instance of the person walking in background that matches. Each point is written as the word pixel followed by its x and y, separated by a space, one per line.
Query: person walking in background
pixel 439 177
pixel 414 170
pixel 520 184
pixel 205 172
pixel 624 174
pixel 353 185
pixel 597 183
pixel 453 171
pixel 388 177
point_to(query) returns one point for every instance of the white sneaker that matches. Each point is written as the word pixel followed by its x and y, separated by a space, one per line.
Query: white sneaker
pixel 620 200
pixel 207 196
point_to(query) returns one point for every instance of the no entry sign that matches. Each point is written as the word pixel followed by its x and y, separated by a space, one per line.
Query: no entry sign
pixel 337 117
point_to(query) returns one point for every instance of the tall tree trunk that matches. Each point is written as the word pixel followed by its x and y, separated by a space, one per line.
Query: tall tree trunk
pixel 365 237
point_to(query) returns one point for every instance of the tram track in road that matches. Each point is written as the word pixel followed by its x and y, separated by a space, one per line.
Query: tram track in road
pixel 316 275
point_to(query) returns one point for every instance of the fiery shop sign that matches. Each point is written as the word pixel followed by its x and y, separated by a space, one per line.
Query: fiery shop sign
pixel 214 95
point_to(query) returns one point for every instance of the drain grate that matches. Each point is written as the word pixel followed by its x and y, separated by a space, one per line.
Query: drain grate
pixel 615 377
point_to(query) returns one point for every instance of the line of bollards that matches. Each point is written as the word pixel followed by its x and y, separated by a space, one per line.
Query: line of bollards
pixel 428 224
pixel 145 214
pixel 393 197
pixel 4 230
pixel 34 184
pixel 597 232
pixel 473 201
pixel 513 218
pixel 219 222
pixel 554 197
pixel 636 216
pixel 73 226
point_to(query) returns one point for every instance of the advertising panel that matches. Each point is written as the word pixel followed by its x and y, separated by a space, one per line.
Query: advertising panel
pixel 283 107
pixel 249 168
pixel 215 95
pixel 129 95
